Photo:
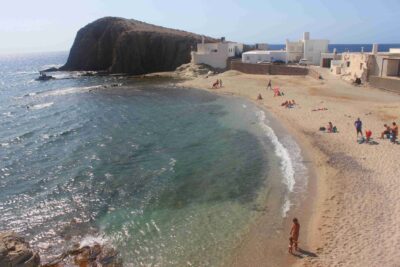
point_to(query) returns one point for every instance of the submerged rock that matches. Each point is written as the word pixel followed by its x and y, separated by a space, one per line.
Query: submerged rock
pixel 120 45
pixel 15 251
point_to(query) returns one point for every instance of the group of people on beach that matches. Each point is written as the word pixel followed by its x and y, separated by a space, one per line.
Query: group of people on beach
pixel 391 132
pixel 217 84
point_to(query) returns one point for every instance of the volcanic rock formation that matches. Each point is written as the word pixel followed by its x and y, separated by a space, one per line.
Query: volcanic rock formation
pixel 120 45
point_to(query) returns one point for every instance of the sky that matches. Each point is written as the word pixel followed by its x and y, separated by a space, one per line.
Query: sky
pixel 51 25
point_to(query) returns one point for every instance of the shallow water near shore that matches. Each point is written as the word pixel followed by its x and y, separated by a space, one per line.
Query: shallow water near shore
pixel 170 177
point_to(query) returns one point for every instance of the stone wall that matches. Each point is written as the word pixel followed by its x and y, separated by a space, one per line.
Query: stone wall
pixel 385 83
pixel 315 74
pixel 267 69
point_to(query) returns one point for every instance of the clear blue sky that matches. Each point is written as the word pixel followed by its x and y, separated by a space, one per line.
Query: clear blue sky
pixel 51 25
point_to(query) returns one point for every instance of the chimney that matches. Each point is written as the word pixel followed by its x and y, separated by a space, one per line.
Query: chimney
pixel 306 36
pixel 374 49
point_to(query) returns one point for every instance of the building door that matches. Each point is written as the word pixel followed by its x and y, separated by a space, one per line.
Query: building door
pixel 326 62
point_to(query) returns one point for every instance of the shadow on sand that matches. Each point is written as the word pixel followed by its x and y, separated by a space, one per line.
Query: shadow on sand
pixel 301 253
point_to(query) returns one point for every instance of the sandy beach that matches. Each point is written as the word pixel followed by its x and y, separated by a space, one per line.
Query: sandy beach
pixel 350 217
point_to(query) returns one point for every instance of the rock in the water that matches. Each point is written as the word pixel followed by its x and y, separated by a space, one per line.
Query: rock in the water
pixel 120 45
pixel 16 252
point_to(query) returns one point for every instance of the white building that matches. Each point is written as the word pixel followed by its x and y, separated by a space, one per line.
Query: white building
pixel 306 49
pixel 216 54
pixel 260 56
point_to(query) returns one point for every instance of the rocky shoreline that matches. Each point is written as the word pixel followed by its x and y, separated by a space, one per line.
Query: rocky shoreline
pixel 16 251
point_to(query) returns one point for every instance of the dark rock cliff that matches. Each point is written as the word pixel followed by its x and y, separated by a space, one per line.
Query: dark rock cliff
pixel 120 45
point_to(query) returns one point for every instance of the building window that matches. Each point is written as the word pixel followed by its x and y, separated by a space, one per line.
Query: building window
pixel 214 50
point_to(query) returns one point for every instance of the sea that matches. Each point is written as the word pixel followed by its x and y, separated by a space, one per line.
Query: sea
pixel 340 48
pixel 168 176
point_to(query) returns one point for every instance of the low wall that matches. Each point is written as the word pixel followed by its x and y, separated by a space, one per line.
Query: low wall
pixel 385 83
pixel 313 73
pixel 266 69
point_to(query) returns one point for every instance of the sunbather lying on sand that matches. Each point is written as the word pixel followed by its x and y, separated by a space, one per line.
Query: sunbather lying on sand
pixel 319 109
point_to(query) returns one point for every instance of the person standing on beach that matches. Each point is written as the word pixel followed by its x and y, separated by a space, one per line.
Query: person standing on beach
pixel 269 85
pixel 358 125
pixel 220 83
pixel 294 235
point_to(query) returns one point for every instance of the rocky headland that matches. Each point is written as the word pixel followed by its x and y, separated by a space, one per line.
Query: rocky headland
pixel 118 45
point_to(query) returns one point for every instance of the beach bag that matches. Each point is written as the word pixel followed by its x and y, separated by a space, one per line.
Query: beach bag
pixel 334 129
pixel 322 128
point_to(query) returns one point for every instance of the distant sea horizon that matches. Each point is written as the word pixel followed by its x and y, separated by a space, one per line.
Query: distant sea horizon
pixel 340 48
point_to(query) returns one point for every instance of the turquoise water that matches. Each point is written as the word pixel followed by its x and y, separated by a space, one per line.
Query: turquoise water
pixel 170 177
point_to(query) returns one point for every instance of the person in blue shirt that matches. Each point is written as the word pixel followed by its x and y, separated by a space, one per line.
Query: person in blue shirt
pixel 358 125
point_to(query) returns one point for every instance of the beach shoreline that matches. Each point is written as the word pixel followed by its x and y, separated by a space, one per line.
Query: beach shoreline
pixel 303 208
pixel 353 183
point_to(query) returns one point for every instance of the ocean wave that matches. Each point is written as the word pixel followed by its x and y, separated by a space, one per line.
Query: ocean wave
pixel 172 163
pixel 282 152
pixel 48 66
pixel 69 90
pixel 26 72
pixel 30 94
pixel 75 90
pixel 7 114
pixel 41 106
pixel 91 240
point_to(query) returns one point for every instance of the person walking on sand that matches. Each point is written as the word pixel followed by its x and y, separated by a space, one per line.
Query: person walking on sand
pixel 358 125
pixel 294 235
pixel 269 85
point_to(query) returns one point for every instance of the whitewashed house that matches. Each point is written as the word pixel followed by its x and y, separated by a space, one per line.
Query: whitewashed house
pixel 216 54
pixel 262 56
pixel 309 49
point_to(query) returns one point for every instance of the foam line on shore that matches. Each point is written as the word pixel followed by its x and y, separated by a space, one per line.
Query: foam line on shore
pixel 286 161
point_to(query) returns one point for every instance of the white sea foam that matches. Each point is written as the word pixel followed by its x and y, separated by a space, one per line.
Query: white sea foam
pixel 40 106
pixel 293 170
pixel 286 206
pixel 281 152
pixel 172 163
pixel 30 94
pixel 70 90
pixel 7 114
pixel 92 240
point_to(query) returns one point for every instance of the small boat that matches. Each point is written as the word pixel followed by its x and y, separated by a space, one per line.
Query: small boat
pixel 44 77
